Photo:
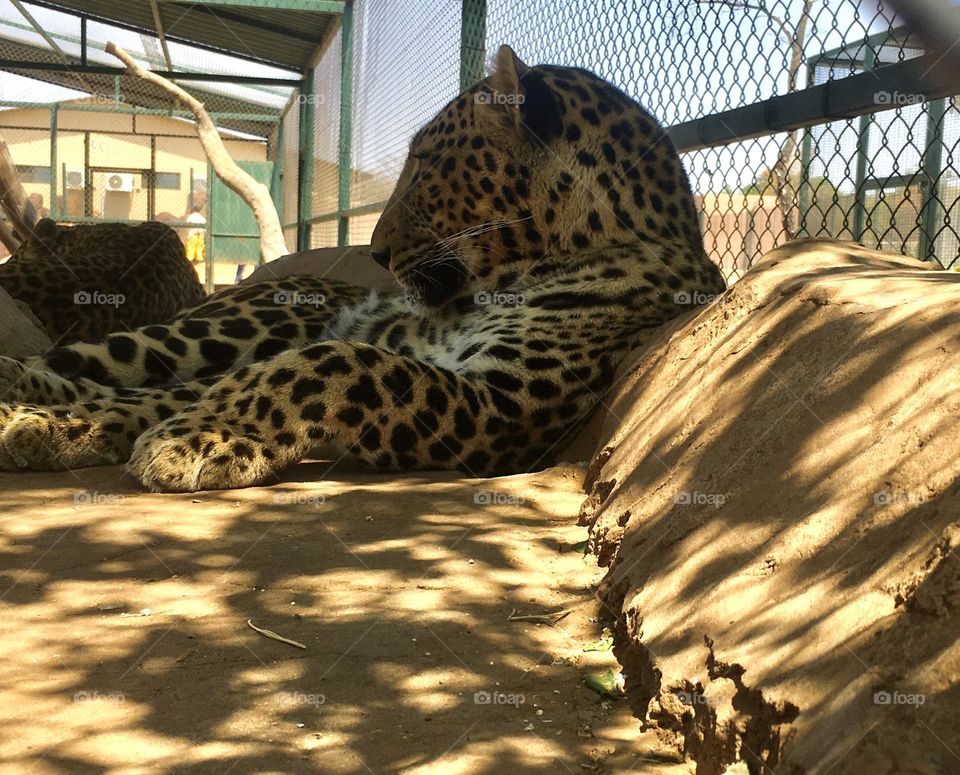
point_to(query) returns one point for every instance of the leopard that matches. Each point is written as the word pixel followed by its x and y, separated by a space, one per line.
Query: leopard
pixel 541 228
pixel 85 281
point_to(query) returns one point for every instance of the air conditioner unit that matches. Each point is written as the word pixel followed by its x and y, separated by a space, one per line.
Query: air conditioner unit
pixel 76 178
pixel 118 181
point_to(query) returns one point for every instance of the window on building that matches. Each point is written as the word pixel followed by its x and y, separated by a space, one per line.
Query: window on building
pixel 169 180
pixel 33 174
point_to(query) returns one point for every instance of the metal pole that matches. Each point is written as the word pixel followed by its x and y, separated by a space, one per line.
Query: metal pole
pixel 305 161
pixel 53 161
pixel 930 168
pixel 863 142
pixel 806 154
pixel 346 124
pixel 473 34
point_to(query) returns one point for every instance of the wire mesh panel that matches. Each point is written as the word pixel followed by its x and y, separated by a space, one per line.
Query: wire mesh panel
pixel 406 67
pixel 326 144
pixel 684 59
pixel 113 147
pixel 289 157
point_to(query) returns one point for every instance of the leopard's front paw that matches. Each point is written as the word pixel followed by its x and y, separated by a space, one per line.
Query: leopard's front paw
pixel 39 440
pixel 179 455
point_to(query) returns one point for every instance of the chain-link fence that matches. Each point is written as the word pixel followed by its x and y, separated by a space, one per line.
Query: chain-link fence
pixel 91 145
pixel 882 168
pixel 888 179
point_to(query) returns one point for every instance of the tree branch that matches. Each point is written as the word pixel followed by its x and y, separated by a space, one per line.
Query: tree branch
pixel 254 193
pixel 21 217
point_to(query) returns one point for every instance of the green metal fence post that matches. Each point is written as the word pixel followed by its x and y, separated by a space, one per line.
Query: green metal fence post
pixel 473 35
pixel 276 178
pixel 931 166
pixel 345 146
pixel 53 161
pixel 209 280
pixel 863 143
pixel 306 100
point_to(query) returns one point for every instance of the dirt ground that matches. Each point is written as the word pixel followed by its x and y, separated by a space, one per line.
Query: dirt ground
pixel 125 645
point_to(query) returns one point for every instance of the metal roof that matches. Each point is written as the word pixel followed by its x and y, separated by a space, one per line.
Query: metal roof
pixel 65 70
pixel 280 33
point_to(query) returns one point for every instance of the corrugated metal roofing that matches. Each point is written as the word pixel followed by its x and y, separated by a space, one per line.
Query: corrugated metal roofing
pixel 282 37
pixel 135 91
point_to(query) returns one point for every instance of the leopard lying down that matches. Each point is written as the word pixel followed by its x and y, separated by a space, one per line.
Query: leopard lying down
pixel 542 226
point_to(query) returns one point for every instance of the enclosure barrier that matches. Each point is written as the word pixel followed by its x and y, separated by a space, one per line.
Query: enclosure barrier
pixel 794 117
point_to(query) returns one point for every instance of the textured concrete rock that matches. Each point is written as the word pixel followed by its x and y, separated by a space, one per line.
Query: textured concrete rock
pixel 350 265
pixel 776 494
pixel 21 334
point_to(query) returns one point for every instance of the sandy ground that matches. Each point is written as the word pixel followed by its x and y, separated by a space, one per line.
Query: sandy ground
pixel 125 645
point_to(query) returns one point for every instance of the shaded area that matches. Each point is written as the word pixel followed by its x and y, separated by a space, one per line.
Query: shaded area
pixel 399 588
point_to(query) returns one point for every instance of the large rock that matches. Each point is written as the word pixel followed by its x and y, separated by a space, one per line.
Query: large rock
pixel 777 497
pixel 21 334
pixel 351 264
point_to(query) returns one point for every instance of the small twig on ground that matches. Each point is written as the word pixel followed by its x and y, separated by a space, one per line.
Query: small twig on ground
pixel 273 636
pixel 549 618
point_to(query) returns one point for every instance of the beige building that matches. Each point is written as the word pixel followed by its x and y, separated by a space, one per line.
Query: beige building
pixel 116 166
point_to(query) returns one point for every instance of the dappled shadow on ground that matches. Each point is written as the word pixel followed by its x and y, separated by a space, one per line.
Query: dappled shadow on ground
pixel 785 481
pixel 126 645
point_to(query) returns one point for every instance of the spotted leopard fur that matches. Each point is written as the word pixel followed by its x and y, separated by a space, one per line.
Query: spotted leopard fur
pixel 83 282
pixel 542 226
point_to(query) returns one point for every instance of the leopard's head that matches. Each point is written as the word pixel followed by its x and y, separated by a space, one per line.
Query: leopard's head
pixel 523 171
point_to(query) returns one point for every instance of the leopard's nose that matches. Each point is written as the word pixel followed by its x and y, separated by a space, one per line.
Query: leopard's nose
pixel 382 257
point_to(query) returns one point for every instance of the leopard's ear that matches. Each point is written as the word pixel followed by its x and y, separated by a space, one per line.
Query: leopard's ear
pixel 507 72
pixel 499 96
pixel 517 98
pixel 46 230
